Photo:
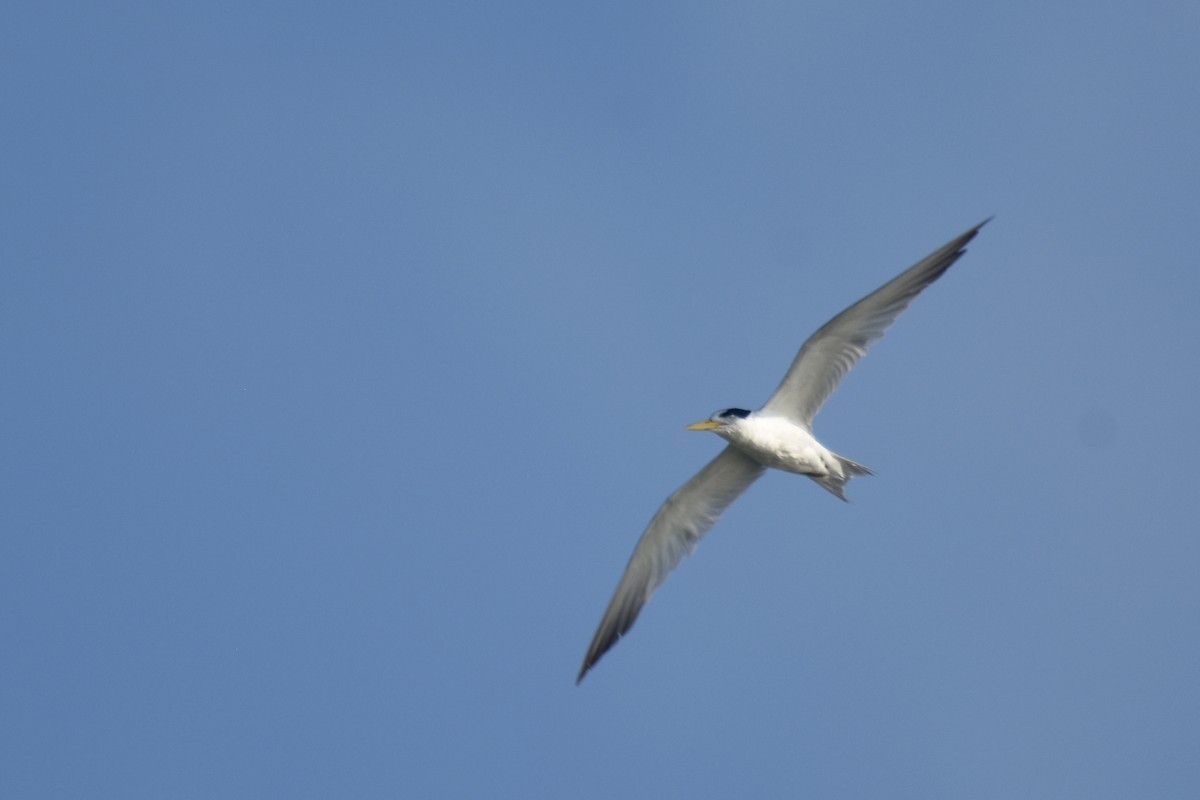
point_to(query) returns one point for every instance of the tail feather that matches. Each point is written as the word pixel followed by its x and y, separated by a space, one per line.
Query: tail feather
pixel 836 485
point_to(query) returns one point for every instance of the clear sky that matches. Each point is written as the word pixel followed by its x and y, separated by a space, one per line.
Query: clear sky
pixel 347 349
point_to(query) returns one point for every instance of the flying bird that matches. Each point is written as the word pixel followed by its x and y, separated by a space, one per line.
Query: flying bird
pixel 778 435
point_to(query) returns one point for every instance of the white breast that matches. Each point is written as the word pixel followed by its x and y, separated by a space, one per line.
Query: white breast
pixel 780 443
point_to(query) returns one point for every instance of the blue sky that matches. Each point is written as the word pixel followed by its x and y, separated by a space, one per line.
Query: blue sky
pixel 347 350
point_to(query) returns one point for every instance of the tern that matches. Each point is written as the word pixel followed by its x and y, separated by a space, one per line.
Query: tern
pixel 778 435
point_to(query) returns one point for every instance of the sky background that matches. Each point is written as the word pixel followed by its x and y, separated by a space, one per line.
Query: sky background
pixel 347 349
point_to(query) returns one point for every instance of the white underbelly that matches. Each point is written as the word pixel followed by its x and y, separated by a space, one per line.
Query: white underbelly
pixel 787 447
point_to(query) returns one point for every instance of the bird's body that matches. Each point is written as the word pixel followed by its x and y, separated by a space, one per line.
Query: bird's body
pixel 776 441
pixel 777 436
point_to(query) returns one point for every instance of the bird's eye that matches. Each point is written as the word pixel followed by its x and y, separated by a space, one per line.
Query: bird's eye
pixel 733 412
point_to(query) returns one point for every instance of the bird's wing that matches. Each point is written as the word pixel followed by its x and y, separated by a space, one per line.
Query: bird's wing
pixel 840 343
pixel 672 533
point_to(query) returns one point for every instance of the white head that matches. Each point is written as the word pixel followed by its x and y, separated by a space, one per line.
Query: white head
pixel 722 422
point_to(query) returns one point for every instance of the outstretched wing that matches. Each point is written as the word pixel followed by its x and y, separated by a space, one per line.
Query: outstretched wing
pixel 840 343
pixel 672 533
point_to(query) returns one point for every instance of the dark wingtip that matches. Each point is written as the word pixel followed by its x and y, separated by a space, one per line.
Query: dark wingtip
pixel 593 655
pixel 595 652
pixel 960 244
pixel 971 233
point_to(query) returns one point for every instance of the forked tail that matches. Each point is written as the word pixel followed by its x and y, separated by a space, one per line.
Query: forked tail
pixel 837 484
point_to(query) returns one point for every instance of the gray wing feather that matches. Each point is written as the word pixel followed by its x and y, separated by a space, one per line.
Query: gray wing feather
pixel 838 345
pixel 672 533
